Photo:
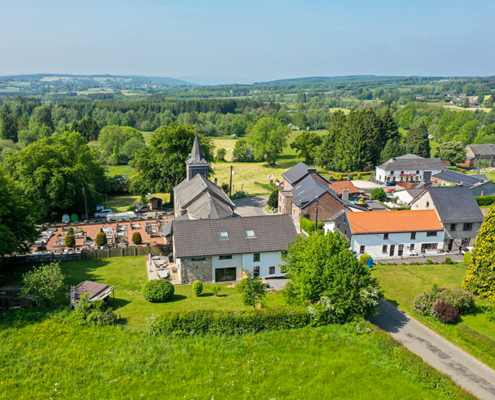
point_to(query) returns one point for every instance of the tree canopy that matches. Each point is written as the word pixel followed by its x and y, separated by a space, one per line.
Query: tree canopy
pixel 418 142
pixel 306 144
pixel 453 152
pixel 52 172
pixel 161 166
pixel 268 138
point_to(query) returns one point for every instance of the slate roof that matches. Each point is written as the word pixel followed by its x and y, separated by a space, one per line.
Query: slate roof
pixel 455 204
pixel 207 207
pixel 167 227
pixel 201 238
pixel 394 221
pixel 457 177
pixel 95 290
pixel 189 192
pixel 296 173
pixel 483 149
pixel 308 190
pixel 413 162
pixel 196 157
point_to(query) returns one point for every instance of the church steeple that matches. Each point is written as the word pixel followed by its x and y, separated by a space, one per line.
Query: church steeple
pixel 196 163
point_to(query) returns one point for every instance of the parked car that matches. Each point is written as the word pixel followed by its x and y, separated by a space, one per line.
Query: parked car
pixel 466 249
pixel 142 209
pixel 102 213
pixel 389 190
pixel 391 183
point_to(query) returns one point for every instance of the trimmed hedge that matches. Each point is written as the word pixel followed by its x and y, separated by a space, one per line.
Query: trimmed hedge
pixel 309 226
pixel 363 259
pixel 219 322
pixel 158 291
pixel 485 200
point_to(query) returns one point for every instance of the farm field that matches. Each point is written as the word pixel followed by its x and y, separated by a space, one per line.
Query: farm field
pixel 128 275
pixel 403 283
pixel 48 359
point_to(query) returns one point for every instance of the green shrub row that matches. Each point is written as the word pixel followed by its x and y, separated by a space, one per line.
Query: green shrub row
pixel 482 343
pixel 219 322
pixel 485 200
pixel 309 226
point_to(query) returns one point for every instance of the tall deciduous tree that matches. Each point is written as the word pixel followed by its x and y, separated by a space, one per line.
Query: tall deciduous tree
pixel 161 166
pixel 268 138
pixel 480 276
pixel 418 142
pixel 453 152
pixel 307 144
pixel 53 171
pixel 17 219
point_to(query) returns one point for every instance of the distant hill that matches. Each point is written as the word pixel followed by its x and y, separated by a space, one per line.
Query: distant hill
pixel 106 78
pixel 328 79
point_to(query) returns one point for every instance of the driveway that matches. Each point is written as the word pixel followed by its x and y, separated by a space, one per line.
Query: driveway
pixel 466 371
pixel 250 207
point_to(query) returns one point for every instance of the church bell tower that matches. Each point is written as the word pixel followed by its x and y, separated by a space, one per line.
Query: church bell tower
pixel 196 163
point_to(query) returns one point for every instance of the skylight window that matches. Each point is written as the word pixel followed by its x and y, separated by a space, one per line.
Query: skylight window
pixel 224 235
pixel 250 234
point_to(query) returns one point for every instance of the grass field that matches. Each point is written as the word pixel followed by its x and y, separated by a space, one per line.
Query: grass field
pixel 403 283
pixel 47 360
pixel 128 275
pixel 121 203
pixel 119 169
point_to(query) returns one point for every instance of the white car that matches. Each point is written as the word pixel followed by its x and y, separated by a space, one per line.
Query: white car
pixel 466 249
pixel 102 213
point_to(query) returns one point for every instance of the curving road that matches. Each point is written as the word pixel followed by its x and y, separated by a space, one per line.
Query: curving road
pixel 465 370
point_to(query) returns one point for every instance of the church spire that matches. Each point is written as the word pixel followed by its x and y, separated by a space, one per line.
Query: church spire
pixel 196 164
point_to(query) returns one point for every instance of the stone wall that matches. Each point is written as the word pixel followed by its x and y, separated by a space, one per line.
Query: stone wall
pixel 192 271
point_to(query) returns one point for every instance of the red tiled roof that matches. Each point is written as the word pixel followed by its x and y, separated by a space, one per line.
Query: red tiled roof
pixel 394 221
pixel 339 185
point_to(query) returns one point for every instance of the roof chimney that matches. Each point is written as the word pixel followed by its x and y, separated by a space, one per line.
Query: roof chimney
pixel 461 183
pixel 216 181
pixel 312 171
pixel 345 195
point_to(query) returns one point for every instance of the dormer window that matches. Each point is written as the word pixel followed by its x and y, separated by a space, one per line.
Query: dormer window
pixel 250 234
pixel 224 235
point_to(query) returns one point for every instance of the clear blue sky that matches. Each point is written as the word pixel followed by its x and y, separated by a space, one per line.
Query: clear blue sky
pixel 217 41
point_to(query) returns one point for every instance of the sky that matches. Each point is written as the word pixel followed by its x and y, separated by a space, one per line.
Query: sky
pixel 217 41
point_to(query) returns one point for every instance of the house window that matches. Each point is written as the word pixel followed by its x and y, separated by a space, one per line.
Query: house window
pixel 429 246
pixel 226 257
pixel 391 172
pixel 431 233
pixel 417 172
pixel 256 257
pixel 271 270
pixel 224 235
pixel 384 248
pixel 385 236
pixel 467 227
pixel 198 258
pixel 452 227
pixel 427 204
pixel 465 242
pixel 402 172
pixel 256 272
pixel 411 247
pixel 250 234
pixel 225 274
pixel 361 249
pixel 413 235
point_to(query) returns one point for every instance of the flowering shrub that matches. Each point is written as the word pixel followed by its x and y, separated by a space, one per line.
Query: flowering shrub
pixel 446 313
pixel 461 300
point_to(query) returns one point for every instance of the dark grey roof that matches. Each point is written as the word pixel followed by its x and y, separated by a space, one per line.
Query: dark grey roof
pixel 296 173
pixel 483 149
pixel 375 205
pixel 196 157
pixel 198 238
pixel 457 177
pixel 94 289
pixel 412 162
pixel 188 192
pixel 415 192
pixel 208 207
pixel 309 189
pixel 167 227
pixel 455 204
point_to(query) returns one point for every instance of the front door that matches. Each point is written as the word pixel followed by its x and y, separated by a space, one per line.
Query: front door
pixel 392 250
pixel 225 274
pixel 256 272
pixel 427 176
pixel 449 247
pixel 401 249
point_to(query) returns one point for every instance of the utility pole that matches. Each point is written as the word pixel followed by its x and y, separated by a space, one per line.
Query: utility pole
pixel 231 173
pixel 316 219
pixel 85 202
pixel 106 201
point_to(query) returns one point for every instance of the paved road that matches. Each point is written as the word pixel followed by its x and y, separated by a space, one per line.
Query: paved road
pixel 250 207
pixel 436 351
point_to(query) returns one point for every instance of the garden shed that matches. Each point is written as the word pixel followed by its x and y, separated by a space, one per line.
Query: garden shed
pixel 155 203
pixel 95 290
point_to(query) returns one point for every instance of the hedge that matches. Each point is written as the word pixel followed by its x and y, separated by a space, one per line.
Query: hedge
pixel 309 226
pixel 219 322
pixel 485 200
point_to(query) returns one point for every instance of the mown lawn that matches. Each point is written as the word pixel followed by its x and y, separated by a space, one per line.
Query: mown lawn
pixel 128 275
pixel 119 170
pixel 403 283
pixel 122 203
pixel 48 360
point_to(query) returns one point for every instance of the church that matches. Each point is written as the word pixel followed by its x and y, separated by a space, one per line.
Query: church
pixel 213 244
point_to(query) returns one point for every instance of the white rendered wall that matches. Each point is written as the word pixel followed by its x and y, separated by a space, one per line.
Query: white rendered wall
pixel 267 260
pixel 382 175
pixel 235 262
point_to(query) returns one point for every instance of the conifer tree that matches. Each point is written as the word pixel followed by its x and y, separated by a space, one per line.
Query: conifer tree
pixel 418 142
pixel 480 276
pixel 392 149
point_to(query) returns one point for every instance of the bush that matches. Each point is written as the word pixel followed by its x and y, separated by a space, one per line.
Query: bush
pixel 197 288
pixel 366 169
pixel 378 194
pixel 429 261
pixel 467 258
pixel 70 241
pixel 101 239
pixel 92 312
pixel 309 226
pixel 216 289
pixel 425 303
pixel 43 282
pixel 446 313
pixel 221 154
pixel 220 322
pixel 136 238
pixel 71 230
pixel 363 259
pixel 273 200
pixel 158 291
pixel 448 260
pixel 485 200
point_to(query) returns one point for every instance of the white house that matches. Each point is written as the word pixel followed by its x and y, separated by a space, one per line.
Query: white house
pixel 220 250
pixel 409 168
pixel 393 234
